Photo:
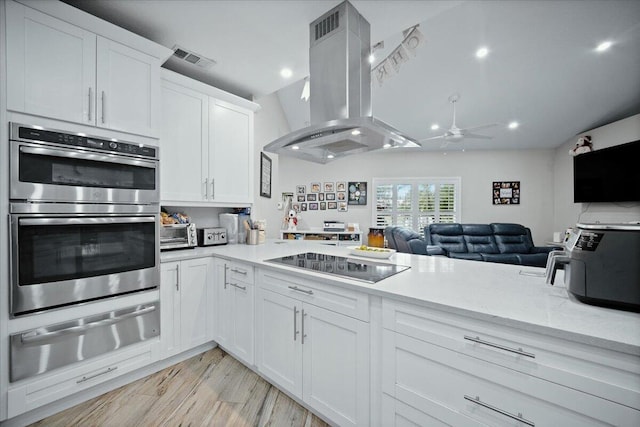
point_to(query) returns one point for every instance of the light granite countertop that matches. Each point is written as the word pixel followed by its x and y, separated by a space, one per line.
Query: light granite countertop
pixel 511 295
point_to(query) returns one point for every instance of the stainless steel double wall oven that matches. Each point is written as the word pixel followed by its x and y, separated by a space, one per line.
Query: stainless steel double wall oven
pixel 84 227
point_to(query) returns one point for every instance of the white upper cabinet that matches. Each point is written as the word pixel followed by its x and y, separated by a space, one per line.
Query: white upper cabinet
pixel 51 66
pixel 184 139
pixel 207 144
pixel 230 152
pixel 61 71
pixel 128 89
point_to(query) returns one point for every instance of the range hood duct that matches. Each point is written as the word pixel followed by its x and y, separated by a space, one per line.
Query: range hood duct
pixel 340 103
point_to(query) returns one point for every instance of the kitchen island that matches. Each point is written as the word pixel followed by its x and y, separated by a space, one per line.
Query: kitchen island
pixel 456 341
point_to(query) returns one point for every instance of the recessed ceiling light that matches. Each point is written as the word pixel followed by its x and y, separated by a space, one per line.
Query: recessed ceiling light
pixel 482 52
pixel 330 156
pixel 604 46
pixel 372 58
pixel 513 125
pixel 355 132
pixel 435 126
pixel 295 147
pixel 286 73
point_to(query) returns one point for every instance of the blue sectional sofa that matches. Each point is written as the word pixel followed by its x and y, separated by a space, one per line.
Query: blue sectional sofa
pixel 497 242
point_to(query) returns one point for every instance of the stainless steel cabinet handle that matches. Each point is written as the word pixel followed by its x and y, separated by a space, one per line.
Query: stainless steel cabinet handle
pixel 34 336
pixel 102 118
pixel 295 288
pixel 239 270
pixel 303 334
pixel 177 277
pixel 235 285
pixel 295 322
pixel 89 113
pixel 501 347
pixel 213 188
pixel 83 379
pixel 85 221
pixel 225 275
pixel 518 417
pixel 75 154
pixel 206 188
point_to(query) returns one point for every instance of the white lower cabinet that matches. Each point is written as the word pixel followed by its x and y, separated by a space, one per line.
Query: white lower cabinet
pixel 187 299
pixel 234 309
pixel 317 355
pixel 460 385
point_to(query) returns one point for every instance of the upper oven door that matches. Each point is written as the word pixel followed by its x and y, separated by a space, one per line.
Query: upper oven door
pixel 59 260
pixel 51 173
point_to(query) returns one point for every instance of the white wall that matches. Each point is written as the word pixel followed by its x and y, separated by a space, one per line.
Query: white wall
pixel 567 213
pixel 546 178
pixel 269 124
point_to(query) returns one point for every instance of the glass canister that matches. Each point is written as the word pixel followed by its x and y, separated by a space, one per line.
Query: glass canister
pixel 375 238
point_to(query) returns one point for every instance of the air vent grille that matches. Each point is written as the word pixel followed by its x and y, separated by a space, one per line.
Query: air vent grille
pixel 327 25
pixel 193 58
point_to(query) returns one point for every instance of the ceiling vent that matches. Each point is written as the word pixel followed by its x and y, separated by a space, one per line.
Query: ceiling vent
pixel 193 58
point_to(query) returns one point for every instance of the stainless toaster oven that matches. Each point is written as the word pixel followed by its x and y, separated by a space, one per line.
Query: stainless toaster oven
pixel 178 236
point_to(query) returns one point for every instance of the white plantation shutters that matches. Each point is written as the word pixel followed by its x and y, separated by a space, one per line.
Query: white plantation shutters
pixel 416 202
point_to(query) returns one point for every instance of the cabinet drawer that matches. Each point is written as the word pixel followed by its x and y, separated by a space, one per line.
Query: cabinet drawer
pixel 237 271
pixel 33 393
pixel 602 372
pixel 344 301
pixel 399 414
pixel 421 374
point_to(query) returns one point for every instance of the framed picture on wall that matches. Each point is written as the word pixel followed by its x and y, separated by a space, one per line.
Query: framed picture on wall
pixel 301 189
pixel 357 193
pixel 505 192
pixel 332 205
pixel 265 176
pixel 315 187
pixel 328 187
pixel 313 206
pixel 311 197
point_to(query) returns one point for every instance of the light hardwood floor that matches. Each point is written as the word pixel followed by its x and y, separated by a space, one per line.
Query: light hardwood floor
pixel 211 389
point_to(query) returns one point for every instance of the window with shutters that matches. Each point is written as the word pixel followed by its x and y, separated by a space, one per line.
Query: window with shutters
pixel 416 202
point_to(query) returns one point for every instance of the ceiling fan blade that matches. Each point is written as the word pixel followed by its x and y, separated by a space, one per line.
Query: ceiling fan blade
pixel 490 125
pixel 476 136
pixel 432 138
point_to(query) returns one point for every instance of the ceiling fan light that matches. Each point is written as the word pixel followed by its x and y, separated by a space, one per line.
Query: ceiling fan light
pixel 387 145
pixel 286 73
pixel 330 156
pixel 514 125
pixel 482 52
pixel 605 45
pixel 435 126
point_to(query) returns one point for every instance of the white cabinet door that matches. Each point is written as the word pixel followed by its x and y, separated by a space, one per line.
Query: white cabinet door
pixel 223 307
pixel 336 365
pixel 242 325
pixel 170 308
pixel 279 353
pixel 51 66
pixel 230 153
pixel 196 302
pixel 128 89
pixel 183 143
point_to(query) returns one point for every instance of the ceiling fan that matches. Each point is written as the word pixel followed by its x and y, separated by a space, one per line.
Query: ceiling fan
pixel 456 134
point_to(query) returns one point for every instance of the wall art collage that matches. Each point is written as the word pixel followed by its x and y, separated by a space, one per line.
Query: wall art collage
pixel 329 195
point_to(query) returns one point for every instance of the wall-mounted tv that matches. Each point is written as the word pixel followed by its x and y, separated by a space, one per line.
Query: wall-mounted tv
pixel 608 175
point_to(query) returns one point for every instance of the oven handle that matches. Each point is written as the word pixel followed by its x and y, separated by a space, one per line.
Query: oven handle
pixel 33 336
pixel 75 154
pixel 85 221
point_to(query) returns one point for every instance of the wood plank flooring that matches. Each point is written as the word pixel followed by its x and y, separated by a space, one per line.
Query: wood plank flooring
pixel 211 389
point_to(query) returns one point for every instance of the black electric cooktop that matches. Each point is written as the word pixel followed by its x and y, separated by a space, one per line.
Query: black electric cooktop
pixel 350 268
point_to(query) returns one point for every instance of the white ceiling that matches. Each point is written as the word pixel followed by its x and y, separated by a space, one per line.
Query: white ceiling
pixel 542 69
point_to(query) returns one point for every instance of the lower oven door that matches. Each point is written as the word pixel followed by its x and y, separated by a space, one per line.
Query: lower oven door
pixel 60 260
pixel 41 350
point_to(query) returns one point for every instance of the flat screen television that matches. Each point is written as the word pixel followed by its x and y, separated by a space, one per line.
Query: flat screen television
pixel 608 175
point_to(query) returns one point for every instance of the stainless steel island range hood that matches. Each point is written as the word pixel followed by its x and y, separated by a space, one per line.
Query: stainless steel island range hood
pixel 340 104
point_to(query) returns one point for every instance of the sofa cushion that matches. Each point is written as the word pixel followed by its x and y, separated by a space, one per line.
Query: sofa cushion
pixel 447 236
pixel 512 238
pixel 479 238
pixel 465 255
pixel 402 236
pixel 501 258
